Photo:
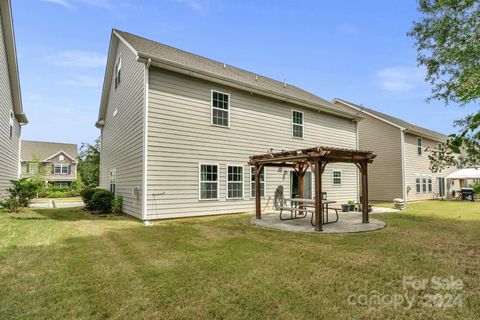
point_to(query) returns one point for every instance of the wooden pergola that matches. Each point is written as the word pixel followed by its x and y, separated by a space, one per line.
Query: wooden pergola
pixel 316 158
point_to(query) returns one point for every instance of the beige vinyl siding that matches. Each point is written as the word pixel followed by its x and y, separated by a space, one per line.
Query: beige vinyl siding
pixel 420 164
pixel 122 135
pixel 46 168
pixel 385 173
pixel 9 147
pixel 180 136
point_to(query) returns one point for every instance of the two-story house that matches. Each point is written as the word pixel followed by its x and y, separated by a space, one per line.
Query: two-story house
pixel 11 111
pixel 56 163
pixel 402 167
pixel 177 130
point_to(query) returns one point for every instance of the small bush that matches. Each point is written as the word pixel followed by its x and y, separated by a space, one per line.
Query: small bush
pixel 102 200
pixel 476 188
pixel 87 194
pixel 118 205
pixel 11 204
pixel 58 194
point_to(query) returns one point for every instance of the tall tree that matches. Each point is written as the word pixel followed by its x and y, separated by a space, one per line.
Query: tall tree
pixel 89 163
pixel 448 45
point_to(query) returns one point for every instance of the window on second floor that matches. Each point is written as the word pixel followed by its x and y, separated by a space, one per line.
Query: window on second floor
pixel 32 168
pixel 118 69
pixel 11 125
pixel 61 169
pixel 337 177
pixel 419 146
pixel 220 109
pixel 297 124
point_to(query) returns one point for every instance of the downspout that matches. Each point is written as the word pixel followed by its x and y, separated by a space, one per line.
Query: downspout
pixel 146 78
pixel 357 146
pixel 402 150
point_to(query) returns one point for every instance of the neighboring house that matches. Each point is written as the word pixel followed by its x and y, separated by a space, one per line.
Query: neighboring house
pixel 402 167
pixel 56 163
pixel 177 130
pixel 11 112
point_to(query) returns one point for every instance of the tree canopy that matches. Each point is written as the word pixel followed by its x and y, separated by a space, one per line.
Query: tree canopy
pixel 89 163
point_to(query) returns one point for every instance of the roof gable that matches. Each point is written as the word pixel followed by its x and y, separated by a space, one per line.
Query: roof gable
pixel 393 121
pixel 177 60
pixel 44 151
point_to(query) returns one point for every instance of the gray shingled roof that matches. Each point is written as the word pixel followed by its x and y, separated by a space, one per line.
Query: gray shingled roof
pixel 45 149
pixel 400 122
pixel 162 52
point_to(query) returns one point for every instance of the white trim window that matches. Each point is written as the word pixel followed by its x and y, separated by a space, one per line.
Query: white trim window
pixel 234 182
pixel 220 109
pixel 429 184
pixel 297 124
pixel 337 177
pixel 208 181
pixel 252 182
pixel 118 71
pixel 32 168
pixel 418 183
pixel 419 146
pixel 113 181
pixel 61 169
pixel 424 184
pixel 11 125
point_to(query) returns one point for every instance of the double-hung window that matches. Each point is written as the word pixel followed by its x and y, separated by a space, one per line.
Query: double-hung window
pixel 297 124
pixel 234 182
pixel 252 182
pixel 208 182
pixel 113 181
pixel 429 183
pixel 118 71
pixel 418 183
pixel 337 177
pixel 424 183
pixel 11 125
pixel 60 169
pixel 33 168
pixel 220 109
pixel 419 146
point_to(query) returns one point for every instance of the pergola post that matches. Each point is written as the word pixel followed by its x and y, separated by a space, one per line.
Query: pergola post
pixel 258 204
pixel 364 172
pixel 319 167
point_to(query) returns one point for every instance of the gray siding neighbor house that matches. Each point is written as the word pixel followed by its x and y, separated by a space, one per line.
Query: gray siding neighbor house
pixel 11 112
pixel 54 162
pixel 177 130
pixel 402 167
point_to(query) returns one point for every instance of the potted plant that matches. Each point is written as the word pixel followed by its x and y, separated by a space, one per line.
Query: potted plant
pixel 351 204
pixel 345 207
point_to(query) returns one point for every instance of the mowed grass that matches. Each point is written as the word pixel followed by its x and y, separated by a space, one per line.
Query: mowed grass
pixel 65 264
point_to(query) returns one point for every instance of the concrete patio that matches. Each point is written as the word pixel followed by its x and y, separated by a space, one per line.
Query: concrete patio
pixel 348 222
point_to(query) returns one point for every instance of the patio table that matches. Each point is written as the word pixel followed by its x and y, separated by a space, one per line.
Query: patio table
pixel 295 204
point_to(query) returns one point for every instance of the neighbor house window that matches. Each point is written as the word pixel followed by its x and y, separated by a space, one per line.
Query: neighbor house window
pixel 424 184
pixel 252 182
pixel 118 69
pixel 418 184
pixel 61 184
pixel 419 146
pixel 429 183
pixel 61 157
pixel 11 125
pixel 234 182
pixel 208 181
pixel 60 169
pixel 220 109
pixel 32 168
pixel 297 124
pixel 113 181
pixel 337 177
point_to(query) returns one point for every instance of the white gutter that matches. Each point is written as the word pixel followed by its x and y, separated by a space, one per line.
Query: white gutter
pixel 146 78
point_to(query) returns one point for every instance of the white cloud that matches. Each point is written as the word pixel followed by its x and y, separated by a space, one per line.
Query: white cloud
pixel 83 81
pixel 192 4
pixel 65 3
pixel 78 59
pixel 399 79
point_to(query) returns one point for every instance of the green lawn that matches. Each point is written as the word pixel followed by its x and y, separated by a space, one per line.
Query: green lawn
pixel 64 264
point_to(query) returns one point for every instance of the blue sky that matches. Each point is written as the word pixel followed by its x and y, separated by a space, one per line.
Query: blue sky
pixel 355 50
